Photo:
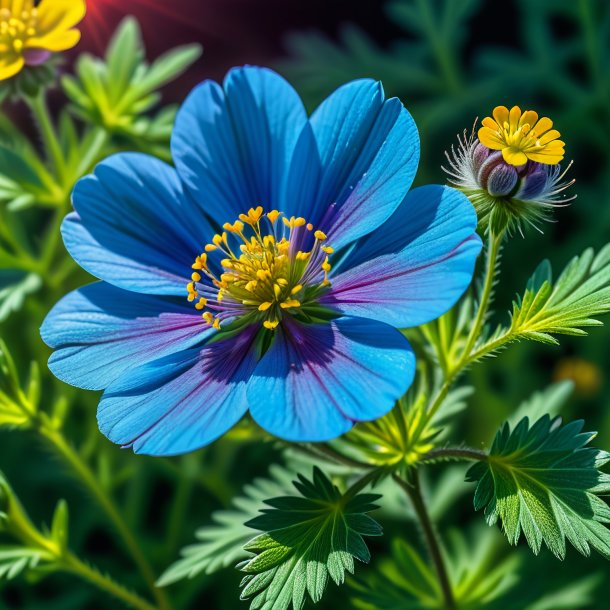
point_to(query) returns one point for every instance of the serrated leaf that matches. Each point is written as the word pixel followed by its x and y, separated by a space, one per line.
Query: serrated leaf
pixel 543 481
pixel 221 543
pixel 307 540
pixel 566 306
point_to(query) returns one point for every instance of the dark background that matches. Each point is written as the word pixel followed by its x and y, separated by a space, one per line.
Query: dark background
pixel 466 58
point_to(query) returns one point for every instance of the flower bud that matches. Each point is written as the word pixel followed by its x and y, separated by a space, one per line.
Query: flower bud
pixel 504 194
pixel 533 183
pixel 497 177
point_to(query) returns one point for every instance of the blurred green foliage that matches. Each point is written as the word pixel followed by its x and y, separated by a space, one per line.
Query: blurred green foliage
pixel 448 68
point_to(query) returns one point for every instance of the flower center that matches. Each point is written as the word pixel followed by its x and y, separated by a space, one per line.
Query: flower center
pixel 263 267
pixel 16 29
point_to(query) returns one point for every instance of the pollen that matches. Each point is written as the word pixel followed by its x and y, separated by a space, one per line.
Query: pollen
pixel 261 268
pixel 522 136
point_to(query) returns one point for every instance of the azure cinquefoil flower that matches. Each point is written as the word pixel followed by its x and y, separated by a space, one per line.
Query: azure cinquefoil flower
pixel 29 33
pixel 511 172
pixel 269 271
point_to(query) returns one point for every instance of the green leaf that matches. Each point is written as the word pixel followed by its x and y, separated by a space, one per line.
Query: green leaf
pixel 307 539
pixel 580 294
pixel 59 525
pixel 15 287
pixel 544 481
pixel 15 560
pixel 16 407
pixel 221 544
pixel 117 93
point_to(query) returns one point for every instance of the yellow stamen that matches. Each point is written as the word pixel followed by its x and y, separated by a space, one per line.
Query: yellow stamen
pixel 273 215
pixel 261 272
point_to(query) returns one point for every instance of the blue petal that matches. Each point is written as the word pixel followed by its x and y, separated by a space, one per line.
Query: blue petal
pixel 316 380
pixel 416 266
pixel 134 227
pixel 369 151
pixel 234 148
pixel 100 332
pixel 180 402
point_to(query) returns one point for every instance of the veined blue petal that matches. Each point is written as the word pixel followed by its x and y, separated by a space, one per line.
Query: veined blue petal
pixel 416 266
pixel 180 402
pixel 134 227
pixel 315 381
pixel 100 332
pixel 369 152
pixel 234 148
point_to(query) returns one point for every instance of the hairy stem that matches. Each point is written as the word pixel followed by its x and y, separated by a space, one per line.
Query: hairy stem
pixel 84 473
pixel 413 490
pixel 493 251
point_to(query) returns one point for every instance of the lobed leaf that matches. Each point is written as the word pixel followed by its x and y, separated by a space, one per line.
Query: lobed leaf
pixel 543 481
pixel 221 544
pixel 306 540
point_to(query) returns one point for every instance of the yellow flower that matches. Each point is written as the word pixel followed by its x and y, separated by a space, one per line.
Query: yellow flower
pixel 29 32
pixel 521 136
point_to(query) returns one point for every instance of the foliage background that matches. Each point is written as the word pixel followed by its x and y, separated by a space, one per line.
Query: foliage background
pixel 449 61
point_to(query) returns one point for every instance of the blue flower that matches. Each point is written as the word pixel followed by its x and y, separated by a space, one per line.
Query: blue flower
pixel 269 271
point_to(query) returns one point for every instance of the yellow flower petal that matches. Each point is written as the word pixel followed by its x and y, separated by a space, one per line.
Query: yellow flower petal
pixel 529 117
pixel 546 157
pixel 491 139
pixel 514 156
pixel 500 113
pixel 10 65
pixel 513 118
pixel 55 41
pixel 489 122
pixel 549 136
pixel 56 15
pixel 543 125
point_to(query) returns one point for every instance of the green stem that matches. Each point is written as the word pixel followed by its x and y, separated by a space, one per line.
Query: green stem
pixel 330 453
pixel 493 250
pixel 53 235
pixel 39 107
pixel 102 497
pixel 74 565
pixel 362 482
pixel 454 453
pixel 99 142
pixel 413 490
pixel 468 356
